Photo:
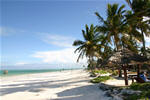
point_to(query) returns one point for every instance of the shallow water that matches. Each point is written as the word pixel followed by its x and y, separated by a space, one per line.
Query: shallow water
pixel 29 71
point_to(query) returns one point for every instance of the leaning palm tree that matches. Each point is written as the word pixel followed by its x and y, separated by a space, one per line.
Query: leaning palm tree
pixel 89 46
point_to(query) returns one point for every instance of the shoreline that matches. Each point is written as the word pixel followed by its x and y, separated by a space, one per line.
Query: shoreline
pixel 29 71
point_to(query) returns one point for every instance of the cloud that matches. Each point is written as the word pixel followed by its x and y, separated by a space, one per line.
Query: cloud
pixel 58 40
pixel 7 31
pixel 146 18
pixel 65 56
pixel 21 63
pixel 147 40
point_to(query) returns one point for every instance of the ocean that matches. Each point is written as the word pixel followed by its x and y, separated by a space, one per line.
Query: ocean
pixel 29 71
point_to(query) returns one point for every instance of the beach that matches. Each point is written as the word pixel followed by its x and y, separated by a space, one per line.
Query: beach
pixel 64 85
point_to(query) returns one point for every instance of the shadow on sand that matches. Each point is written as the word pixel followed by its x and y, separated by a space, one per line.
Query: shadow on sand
pixel 89 92
pixel 35 86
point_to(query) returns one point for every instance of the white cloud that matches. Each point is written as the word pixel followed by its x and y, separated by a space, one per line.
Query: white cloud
pixel 7 31
pixel 65 56
pixel 58 40
pixel 21 63
pixel 146 18
pixel 147 40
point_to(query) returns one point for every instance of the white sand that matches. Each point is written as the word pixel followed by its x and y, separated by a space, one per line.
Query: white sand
pixel 116 81
pixel 66 85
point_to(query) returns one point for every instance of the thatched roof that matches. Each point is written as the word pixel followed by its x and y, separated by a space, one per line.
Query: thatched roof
pixel 124 56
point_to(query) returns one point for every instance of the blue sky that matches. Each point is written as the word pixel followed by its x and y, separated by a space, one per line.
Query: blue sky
pixel 40 33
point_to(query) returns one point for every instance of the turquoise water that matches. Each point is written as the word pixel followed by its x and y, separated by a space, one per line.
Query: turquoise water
pixel 20 72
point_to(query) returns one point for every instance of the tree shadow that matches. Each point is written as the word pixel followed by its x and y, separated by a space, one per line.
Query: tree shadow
pixel 36 86
pixel 89 92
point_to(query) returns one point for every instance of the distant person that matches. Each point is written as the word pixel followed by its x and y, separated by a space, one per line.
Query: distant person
pixel 143 76
pixel 148 74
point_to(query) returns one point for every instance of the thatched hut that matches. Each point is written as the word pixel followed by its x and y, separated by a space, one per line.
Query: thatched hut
pixel 125 57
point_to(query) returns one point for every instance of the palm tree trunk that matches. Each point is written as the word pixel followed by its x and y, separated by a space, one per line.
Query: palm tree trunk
pixel 125 75
pixel 120 72
pixel 143 41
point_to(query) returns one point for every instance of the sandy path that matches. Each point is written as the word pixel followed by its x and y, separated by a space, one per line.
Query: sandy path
pixel 66 85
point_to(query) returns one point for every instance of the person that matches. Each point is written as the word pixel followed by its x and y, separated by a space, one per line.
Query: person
pixel 143 76
pixel 148 74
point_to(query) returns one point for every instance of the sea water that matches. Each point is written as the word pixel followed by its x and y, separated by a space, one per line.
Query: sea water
pixel 29 71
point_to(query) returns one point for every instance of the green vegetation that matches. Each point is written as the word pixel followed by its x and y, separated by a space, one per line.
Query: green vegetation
pixel 112 72
pixel 144 87
pixel 121 28
pixel 118 30
pixel 100 79
pixel 100 71
pixel 140 86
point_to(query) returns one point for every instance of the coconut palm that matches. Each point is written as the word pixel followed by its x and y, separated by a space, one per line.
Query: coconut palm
pixel 89 46
pixel 133 36
pixel 113 26
pixel 140 9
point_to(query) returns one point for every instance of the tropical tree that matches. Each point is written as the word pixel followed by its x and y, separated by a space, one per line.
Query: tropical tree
pixel 89 47
pixel 113 26
pixel 133 36
pixel 140 9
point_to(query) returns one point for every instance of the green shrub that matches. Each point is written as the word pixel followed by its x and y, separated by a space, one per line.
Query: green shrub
pixel 140 86
pixel 100 71
pixel 145 95
pixel 100 79
pixel 144 87
pixel 93 74
pixel 115 73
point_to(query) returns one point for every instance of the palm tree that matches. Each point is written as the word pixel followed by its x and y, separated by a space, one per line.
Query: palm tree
pixel 89 46
pixel 141 8
pixel 114 25
pixel 133 36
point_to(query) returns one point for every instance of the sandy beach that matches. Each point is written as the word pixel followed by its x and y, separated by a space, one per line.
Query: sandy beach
pixel 65 85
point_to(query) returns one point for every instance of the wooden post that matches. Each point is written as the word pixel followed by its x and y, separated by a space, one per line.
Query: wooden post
pixel 120 72
pixel 125 75
pixel 138 70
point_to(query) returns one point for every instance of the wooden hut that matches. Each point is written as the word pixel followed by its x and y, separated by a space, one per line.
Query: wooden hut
pixel 123 58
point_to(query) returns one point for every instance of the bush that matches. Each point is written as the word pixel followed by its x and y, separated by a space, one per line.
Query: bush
pixel 145 95
pixel 100 71
pixel 92 74
pixel 100 79
pixel 115 73
pixel 144 87
pixel 140 86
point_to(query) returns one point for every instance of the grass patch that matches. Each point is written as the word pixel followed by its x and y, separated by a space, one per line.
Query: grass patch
pixel 100 79
pixel 100 71
pixel 144 87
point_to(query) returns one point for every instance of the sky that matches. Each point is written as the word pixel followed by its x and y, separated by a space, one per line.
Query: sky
pixel 39 33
